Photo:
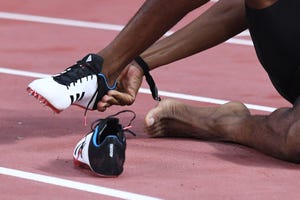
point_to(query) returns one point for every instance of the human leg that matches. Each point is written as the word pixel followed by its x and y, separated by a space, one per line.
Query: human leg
pixel 217 24
pixel 276 40
pixel 276 134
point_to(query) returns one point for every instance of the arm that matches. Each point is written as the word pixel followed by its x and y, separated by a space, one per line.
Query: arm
pixel 219 23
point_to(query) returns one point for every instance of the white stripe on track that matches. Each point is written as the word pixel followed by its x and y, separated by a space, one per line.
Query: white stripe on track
pixel 73 184
pixel 62 21
pixel 94 25
pixel 147 91
pixel 23 73
pixel 205 99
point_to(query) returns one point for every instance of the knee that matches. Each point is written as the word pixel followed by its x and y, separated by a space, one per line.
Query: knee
pixel 292 147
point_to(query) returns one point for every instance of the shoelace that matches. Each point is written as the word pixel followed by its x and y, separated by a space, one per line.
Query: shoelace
pixel 76 72
pixel 91 100
pixel 125 129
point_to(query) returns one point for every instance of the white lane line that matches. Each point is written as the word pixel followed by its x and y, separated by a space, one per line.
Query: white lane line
pixel 73 184
pixel 147 91
pixel 62 21
pixel 23 73
pixel 240 41
pixel 93 25
pixel 206 99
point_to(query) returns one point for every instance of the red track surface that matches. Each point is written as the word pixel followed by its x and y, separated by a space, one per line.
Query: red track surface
pixel 35 140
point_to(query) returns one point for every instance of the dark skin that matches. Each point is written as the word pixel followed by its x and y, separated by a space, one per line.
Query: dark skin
pixel 276 134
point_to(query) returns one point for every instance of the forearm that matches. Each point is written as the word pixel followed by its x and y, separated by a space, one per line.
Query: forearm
pixel 219 23
pixel 153 19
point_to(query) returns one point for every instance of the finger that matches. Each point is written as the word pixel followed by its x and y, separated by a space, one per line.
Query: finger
pixel 102 106
pixel 107 98
pixel 119 98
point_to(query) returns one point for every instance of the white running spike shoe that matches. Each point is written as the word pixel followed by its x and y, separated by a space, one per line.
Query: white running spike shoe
pixel 81 84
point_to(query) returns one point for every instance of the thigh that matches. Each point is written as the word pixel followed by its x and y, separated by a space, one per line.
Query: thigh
pixel 275 33
pixel 293 135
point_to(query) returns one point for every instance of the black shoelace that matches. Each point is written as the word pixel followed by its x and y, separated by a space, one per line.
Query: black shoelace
pixel 76 72
pixel 124 128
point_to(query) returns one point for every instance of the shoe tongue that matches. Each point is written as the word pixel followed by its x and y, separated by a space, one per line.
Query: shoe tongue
pixel 92 58
pixel 95 60
pixel 89 58
pixel 109 126
pixel 113 120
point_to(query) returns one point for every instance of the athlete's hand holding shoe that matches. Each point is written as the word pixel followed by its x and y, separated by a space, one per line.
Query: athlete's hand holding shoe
pixel 128 85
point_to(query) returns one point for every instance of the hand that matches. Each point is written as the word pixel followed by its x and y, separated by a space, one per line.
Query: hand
pixel 128 85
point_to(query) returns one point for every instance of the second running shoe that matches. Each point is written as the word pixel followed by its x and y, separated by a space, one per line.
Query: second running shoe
pixel 103 149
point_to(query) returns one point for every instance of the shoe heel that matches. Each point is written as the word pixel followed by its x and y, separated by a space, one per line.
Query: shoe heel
pixel 111 165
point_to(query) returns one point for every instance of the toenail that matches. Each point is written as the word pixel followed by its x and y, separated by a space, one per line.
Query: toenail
pixel 150 121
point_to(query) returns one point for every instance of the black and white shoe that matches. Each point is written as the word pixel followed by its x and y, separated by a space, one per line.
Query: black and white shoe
pixel 103 150
pixel 82 84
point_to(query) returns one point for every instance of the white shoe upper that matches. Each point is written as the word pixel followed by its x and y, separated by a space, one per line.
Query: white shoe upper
pixel 81 84
pixel 62 96
pixel 80 152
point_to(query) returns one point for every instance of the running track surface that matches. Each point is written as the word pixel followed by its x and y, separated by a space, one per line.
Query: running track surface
pixel 36 145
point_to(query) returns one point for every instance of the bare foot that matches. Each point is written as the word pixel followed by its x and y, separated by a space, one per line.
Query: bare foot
pixel 174 119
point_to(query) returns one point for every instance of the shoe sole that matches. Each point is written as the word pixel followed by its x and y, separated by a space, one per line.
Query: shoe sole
pixel 42 100
pixel 79 164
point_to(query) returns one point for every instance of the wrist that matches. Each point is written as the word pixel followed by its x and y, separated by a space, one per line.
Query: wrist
pixel 144 66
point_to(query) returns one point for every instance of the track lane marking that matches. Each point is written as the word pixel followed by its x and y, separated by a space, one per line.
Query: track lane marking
pixel 94 25
pixel 74 184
